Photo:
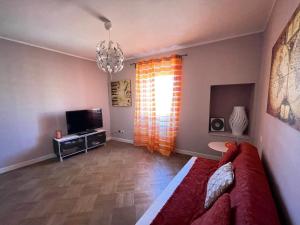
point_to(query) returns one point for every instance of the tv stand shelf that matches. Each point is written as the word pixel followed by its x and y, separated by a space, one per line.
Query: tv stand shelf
pixel 74 143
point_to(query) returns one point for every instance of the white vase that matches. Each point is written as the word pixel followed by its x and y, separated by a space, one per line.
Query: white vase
pixel 238 120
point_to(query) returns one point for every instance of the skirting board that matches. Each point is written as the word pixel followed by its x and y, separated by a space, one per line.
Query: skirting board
pixel 122 140
pixel 26 163
pixel 36 160
pixel 177 150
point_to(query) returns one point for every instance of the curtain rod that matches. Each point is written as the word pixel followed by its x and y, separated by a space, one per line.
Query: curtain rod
pixel 183 55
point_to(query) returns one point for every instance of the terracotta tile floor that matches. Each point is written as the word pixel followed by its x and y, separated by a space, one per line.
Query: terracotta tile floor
pixel 109 185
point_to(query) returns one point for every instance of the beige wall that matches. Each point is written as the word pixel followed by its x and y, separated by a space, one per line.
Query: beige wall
pixel 36 88
pixel 227 62
pixel 279 143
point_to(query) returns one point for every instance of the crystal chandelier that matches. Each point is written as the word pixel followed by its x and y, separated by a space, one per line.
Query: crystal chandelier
pixel 109 55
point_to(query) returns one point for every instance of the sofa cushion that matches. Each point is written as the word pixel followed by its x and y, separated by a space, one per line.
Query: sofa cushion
pixel 251 199
pixel 219 213
pixel 232 152
pixel 218 183
pixel 189 196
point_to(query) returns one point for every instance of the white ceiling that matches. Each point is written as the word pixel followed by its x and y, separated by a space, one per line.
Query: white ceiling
pixel 142 27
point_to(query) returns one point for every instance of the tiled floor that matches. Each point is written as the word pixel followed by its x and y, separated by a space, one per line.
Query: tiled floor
pixel 110 185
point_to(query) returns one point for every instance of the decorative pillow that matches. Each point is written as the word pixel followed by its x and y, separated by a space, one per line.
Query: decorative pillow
pixel 217 184
pixel 232 152
pixel 219 213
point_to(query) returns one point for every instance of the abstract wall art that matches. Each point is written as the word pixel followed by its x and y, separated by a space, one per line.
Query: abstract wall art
pixel 121 93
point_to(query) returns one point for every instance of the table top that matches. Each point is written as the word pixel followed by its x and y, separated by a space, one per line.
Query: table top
pixel 75 136
pixel 218 146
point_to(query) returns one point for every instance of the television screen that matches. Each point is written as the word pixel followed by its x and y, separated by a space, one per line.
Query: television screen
pixel 83 120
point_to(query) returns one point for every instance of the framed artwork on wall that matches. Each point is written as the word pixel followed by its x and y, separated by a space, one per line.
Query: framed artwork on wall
pixel 284 84
pixel 121 93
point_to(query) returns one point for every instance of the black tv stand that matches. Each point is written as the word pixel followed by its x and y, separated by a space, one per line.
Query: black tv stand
pixel 85 132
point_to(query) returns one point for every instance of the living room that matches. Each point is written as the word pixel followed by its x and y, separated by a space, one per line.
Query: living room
pixel 149 112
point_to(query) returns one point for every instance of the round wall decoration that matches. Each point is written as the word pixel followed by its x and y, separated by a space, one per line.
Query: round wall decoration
pixel 217 124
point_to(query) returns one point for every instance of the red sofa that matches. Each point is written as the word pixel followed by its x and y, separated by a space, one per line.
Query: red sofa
pixel 250 196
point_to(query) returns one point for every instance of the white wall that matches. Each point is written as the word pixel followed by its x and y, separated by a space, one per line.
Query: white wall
pixel 36 88
pixel 227 62
pixel 279 143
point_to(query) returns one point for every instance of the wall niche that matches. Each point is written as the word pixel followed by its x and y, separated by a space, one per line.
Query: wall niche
pixel 222 100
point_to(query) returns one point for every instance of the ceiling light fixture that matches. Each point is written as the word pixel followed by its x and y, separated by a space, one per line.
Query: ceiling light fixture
pixel 109 55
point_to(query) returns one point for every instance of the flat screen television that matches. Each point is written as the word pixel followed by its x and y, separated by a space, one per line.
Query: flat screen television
pixel 83 121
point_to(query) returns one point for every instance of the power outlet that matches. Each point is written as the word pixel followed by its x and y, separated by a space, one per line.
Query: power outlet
pixel 121 131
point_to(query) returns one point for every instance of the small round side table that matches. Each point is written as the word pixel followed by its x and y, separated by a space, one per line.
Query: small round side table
pixel 218 146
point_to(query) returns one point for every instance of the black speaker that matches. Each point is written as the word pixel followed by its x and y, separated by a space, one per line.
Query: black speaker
pixel 217 124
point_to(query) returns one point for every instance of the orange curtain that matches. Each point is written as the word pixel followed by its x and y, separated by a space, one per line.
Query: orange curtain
pixel 157 104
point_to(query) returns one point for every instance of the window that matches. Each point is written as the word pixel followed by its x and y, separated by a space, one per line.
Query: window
pixel 158 95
